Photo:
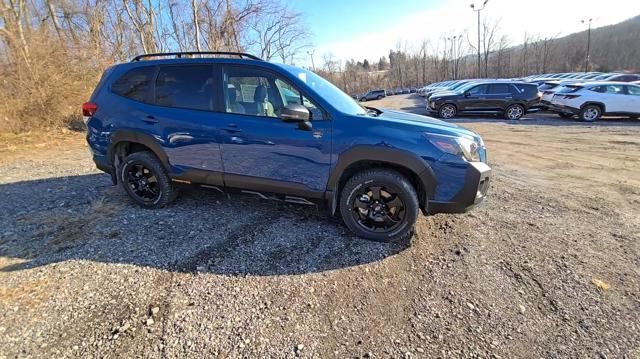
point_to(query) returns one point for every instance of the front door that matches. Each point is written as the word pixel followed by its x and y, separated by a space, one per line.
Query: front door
pixel 263 152
pixel 474 98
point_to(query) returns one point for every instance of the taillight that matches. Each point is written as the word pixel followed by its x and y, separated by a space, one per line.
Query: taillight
pixel 89 108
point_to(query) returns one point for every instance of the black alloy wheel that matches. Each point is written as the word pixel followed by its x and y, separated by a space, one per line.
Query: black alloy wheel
pixel 146 181
pixel 379 204
pixel 378 209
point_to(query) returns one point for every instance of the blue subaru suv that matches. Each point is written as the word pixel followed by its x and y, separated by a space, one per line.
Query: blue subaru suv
pixel 233 121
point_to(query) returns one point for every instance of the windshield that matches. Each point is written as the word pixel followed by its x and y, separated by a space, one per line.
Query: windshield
pixel 329 92
pixel 465 87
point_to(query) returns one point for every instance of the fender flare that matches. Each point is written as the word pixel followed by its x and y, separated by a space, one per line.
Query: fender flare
pixel 388 155
pixel 597 103
pixel 141 138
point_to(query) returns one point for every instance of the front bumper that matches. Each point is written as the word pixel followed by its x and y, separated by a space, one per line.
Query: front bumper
pixel 472 193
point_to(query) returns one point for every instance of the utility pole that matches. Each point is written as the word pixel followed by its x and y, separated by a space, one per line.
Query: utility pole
pixel 478 10
pixel 313 65
pixel 586 59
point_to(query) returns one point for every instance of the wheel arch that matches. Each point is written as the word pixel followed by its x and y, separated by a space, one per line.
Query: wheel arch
pixel 124 143
pixel 359 158
pixel 602 106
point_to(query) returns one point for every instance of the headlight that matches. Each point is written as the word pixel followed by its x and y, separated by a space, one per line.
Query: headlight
pixel 464 147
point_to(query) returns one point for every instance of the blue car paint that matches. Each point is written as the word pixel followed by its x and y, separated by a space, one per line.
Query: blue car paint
pixel 268 148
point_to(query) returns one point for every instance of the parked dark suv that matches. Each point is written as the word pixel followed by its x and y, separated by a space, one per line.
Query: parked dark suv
pixel 281 133
pixel 373 95
pixel 511 99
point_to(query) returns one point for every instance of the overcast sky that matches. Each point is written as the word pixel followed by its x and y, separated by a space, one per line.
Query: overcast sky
pixel 361 29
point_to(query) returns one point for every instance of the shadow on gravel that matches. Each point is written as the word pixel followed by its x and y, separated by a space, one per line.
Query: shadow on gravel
pixel 84 218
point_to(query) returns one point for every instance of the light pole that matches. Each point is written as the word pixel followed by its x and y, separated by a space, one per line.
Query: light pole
pixel 586 59
pixel 478 10
pixel 313 65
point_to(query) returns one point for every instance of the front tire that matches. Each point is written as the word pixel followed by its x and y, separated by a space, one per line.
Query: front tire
pixel 364 99
pixel 379 205
pixel 447 111
pixel 590 113
pixel 145 180
pixel 514 112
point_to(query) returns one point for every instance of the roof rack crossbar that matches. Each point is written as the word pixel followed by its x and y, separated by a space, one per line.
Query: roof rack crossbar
pixel 181 54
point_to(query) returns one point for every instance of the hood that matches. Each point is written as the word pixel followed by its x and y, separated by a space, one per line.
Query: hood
pixel 443 94
pixel 428 124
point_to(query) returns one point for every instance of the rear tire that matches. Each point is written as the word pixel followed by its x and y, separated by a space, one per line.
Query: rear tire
pixel 146 181
pixel 514 112
pixel 590 113
pixel 379 97
pixel 379 205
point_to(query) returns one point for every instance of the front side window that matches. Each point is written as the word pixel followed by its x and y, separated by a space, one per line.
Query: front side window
pixel 633 90
pixel 478 90
pixel 260 93
pixel 135 84
pixel 189 87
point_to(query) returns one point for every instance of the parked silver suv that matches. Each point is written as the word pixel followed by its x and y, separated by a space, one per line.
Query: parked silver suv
pixel 373 95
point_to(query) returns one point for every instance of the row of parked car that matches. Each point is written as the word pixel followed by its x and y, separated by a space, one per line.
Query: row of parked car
pixel 380 93
pixel 585 95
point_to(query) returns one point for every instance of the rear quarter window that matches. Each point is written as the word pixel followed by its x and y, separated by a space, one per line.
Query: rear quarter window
pixel 135 84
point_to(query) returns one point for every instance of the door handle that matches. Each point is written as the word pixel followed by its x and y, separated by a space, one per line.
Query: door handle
pixel 150 119
pixel 232 128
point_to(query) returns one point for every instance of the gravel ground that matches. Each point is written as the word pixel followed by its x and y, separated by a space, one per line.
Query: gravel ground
pixel 548 267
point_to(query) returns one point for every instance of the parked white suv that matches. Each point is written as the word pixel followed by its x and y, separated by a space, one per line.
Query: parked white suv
pixel 590 100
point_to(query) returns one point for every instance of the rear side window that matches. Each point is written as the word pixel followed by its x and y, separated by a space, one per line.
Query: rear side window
pixel 499 89
pixel 135 84
pixel 189 87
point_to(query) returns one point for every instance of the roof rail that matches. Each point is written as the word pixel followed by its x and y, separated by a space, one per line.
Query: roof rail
pixel 179 55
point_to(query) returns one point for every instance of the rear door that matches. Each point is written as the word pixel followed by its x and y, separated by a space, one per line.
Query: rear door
pixel 616 99
pixel 189 127
pixel 498 96
pixel 632 105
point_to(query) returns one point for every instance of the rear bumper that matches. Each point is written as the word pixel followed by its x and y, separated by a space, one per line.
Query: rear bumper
pixel 103 164
pixel 564 109
pixel 472 193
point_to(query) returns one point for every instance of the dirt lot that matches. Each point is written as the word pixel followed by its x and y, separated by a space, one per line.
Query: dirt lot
pixel 548 267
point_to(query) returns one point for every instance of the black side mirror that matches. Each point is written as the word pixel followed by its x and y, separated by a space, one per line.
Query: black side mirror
pixel 294 112
pixel 297 113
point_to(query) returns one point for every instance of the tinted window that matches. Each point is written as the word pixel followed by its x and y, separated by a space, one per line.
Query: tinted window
pixel 185 87
pixel 634 90
pixel 478 90
pixel 499 89
pixel 135 84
